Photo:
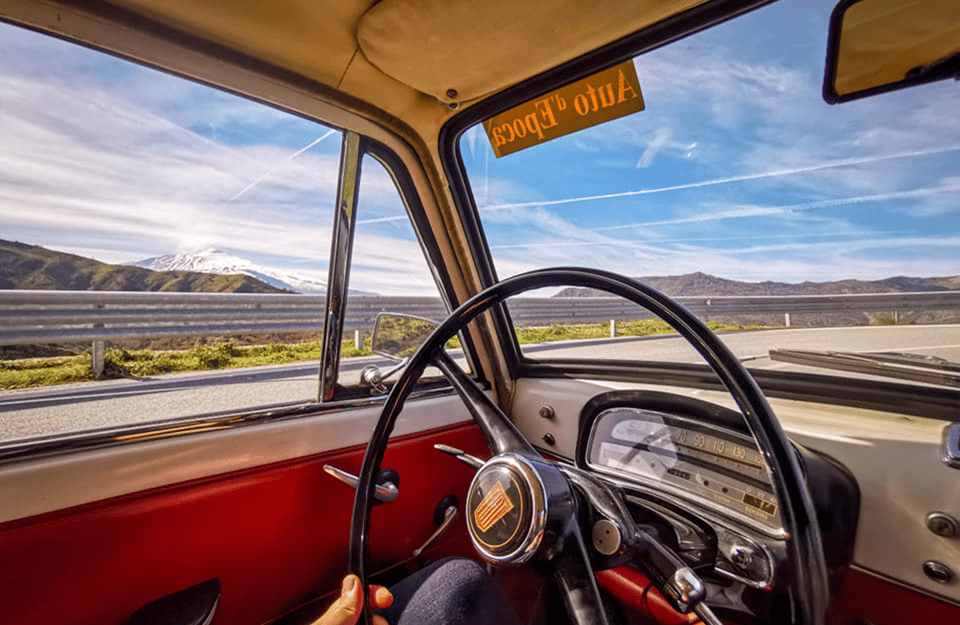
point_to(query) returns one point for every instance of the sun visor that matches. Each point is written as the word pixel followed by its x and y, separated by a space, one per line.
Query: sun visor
pixel 458 50
pixel 881 43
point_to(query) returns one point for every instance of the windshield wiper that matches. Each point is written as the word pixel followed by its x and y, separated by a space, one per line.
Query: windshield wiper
pixel 904 366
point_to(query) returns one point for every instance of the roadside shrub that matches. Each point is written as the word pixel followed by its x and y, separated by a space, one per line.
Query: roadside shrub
pixel 214 356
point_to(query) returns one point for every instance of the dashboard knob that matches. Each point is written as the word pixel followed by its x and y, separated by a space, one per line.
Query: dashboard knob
pixel 741 556
pixel 942 524
pixel 606 537
pixel 938 572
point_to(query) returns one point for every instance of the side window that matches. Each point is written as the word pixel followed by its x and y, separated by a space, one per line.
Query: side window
pixel 389 270
pixel 156 236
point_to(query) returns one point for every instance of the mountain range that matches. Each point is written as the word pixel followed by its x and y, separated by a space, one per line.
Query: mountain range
pixel 211 260
pixel 24 266
pixel 696 284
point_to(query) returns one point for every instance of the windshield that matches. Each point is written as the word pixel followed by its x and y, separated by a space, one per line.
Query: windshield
pixel 738 181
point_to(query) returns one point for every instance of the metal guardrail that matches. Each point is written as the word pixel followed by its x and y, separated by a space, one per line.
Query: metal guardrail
pixel 595 309
pixel 36 317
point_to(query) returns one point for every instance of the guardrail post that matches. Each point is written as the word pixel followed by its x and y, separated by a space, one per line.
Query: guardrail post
pixel 786 319
pixel 97 354
pixel 356 340
pixel 613 328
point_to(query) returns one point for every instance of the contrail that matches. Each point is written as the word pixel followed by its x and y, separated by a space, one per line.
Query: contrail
pixel 751 213
pixel 707 183
pixel 651 242
pixel 888 242
pixel 382 219
pixel 759 211
pixel 273 169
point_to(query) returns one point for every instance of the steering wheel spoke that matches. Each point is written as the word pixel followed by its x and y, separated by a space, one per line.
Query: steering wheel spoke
pixel 578 585
pixel 501 435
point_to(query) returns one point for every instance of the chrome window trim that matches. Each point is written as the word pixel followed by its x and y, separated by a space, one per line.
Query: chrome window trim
pixel 60 444
pixel 341 251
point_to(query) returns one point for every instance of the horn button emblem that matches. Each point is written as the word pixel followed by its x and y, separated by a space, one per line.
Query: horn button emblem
pixel 493 507
pixel 506 510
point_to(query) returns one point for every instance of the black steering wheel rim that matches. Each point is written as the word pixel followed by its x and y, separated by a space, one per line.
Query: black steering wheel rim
pixel 808 579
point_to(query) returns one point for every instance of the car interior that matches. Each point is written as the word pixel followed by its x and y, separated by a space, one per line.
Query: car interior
pixel 714 486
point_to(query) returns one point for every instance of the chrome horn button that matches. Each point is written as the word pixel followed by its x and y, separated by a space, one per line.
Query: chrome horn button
pixel 507 508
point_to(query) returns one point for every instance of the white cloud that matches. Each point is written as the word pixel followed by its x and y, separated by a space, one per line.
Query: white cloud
pixel 789 261
pixel 117 176
pixel 656 144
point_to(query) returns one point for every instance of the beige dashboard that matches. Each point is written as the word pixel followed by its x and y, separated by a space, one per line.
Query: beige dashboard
pixel 895 459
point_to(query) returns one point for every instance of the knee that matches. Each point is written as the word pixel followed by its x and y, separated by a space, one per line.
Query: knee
pixel 470 589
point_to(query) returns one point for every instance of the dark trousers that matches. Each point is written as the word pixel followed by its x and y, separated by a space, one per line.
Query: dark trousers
pixel 453 591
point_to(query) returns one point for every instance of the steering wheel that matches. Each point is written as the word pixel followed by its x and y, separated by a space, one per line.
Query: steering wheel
pixel 522 507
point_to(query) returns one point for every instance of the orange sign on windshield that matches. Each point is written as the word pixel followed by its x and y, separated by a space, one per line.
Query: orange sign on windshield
pixel 607 95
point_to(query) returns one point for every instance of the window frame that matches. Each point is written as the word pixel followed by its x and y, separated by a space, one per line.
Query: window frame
pixel 342 251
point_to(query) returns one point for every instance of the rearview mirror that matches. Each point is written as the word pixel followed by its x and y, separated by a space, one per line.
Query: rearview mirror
pixel 397 336
pixel 877 46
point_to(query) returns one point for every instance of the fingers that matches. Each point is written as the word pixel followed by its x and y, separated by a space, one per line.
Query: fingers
pixel 380 597
pixel 346 609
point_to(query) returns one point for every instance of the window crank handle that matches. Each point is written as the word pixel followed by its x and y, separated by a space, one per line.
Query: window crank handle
pixel 471 461
pixel 448 517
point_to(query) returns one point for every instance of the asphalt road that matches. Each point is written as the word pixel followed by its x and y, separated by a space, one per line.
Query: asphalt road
pixel 56 410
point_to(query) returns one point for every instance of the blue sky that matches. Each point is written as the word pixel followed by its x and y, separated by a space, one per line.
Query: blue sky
pixel 736 168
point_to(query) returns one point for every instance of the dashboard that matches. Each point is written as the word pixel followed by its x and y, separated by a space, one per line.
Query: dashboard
pixel 692 469
pixel 715 466
pixel 875 476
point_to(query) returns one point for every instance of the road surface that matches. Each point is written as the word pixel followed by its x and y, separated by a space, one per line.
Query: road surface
pixel 49 411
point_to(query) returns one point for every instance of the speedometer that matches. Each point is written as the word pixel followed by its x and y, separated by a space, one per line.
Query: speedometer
pixel 677 454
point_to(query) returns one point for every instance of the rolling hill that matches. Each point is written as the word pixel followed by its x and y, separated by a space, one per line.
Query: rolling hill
pixel 24 266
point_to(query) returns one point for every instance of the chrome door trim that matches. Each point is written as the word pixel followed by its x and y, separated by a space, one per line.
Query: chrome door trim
pixel 32 448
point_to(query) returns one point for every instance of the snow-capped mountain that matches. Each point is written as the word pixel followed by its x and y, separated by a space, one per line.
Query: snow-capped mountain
pixel 212 260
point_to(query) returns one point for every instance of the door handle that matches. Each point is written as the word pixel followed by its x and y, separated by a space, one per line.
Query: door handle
pixel 192 606
pixel 386 490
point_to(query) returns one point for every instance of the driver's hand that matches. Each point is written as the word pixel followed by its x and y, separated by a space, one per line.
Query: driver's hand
pixel 346 609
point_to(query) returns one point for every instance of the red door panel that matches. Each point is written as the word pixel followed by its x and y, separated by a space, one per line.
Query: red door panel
pixel 865 598
pixel 275 536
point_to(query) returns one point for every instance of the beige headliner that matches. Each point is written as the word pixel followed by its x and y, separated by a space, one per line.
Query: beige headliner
pixel 456 50
pixel 410 53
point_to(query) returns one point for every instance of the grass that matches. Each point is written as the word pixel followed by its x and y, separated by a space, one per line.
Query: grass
pixel 139 363
pixel 643 327
pixel 144 362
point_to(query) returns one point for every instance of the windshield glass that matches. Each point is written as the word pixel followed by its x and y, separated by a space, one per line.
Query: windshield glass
pixel 738 181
